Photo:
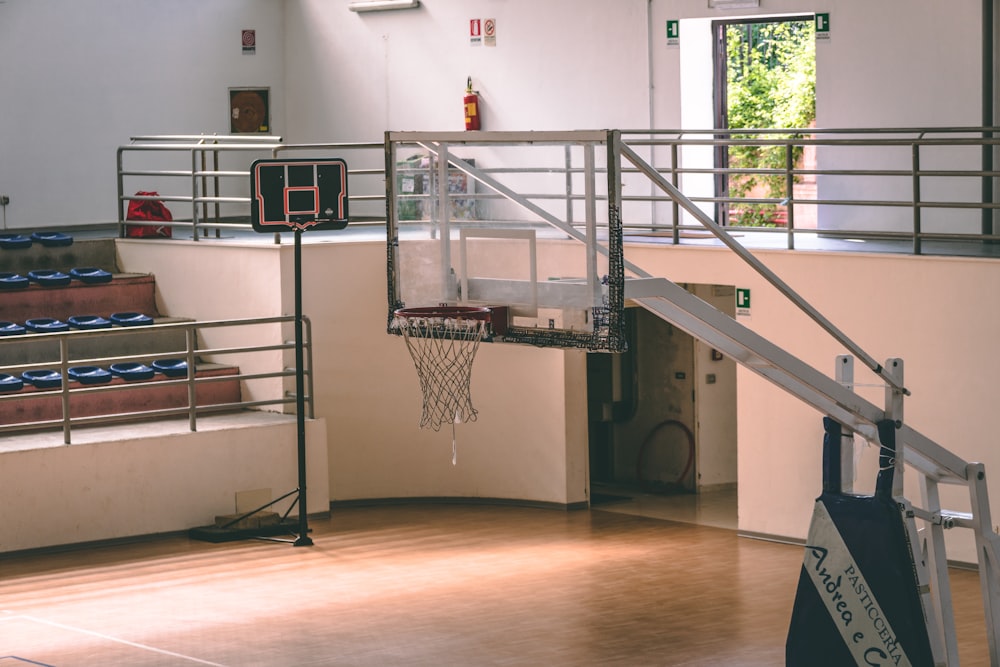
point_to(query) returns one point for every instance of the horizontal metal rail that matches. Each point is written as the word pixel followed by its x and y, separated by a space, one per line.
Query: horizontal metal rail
pixel 895 155
pixel 219 198
pixel 906 160
pixel 71 392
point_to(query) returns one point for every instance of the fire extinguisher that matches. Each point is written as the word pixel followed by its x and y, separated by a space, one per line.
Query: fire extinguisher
pixel 471 107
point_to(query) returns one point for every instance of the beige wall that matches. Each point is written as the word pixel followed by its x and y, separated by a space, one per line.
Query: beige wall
pixel 530 440
pixel 931 312
pixel 113 484
pixel 365 383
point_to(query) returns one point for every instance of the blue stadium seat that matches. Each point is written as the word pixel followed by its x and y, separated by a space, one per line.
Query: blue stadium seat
pixel 14 241
pixel 131 319
pixel 46 325
pixel 52 239
pixel 12 281
pixel 172 368
pixel 89 375
pixel 88 322
pixel 11 329
pixel 90 275
pixel 49 278
pixel 10 383
pixel 132 371
pixel 43 379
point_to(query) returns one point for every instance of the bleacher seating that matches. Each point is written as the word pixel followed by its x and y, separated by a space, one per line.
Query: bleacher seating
pixel 79 289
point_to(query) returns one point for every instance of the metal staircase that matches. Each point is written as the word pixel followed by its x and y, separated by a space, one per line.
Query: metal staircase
pixel 935 464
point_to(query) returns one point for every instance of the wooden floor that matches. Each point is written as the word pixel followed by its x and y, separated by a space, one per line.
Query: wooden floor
pixel 424 585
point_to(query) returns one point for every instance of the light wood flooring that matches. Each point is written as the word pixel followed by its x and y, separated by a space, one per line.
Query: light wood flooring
pixel 423 584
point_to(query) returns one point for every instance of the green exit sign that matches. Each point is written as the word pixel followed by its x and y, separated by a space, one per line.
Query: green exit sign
pixel 742 300
pixel 823 26
pixel 673 33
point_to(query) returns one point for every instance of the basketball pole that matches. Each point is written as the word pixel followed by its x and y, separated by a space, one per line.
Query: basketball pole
pixel 303 539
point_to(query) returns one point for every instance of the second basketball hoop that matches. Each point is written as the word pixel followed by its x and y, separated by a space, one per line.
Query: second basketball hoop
pixel 443 341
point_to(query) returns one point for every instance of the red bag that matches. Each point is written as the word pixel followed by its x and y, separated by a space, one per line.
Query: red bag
pixel 148 209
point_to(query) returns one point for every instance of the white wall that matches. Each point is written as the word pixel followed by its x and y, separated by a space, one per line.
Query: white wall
pixel 896 63
pixel 79 77
pixel 558 65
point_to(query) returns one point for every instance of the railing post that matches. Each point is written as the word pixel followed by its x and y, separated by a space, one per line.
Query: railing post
pixel 194 194
pixel 790 194
pixel 568 152
pixel 64 374
pixel 675 181
pixel 444 223
pixel 204 186
pixel 190 339
pixel 309 367
pixel 916 199
pixel 844 375
pixel 121 195
pixel 215 191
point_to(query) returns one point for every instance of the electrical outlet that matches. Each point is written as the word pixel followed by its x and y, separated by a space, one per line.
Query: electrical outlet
pixel 4 200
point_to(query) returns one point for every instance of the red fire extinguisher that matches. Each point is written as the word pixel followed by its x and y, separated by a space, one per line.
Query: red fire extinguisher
pixel 471 107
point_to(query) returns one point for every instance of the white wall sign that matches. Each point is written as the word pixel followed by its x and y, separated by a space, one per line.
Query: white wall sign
pixel 475 32
pixel 490 32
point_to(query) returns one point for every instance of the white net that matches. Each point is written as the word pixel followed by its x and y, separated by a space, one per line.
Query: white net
pixel 443 344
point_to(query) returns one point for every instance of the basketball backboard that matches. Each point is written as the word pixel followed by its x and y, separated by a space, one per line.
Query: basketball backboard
pixel 514 221
pixel 298 194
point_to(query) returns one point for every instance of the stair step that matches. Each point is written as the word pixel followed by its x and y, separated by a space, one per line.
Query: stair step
pixel 125 293
pixel 44 349
pixel 83 252
pixel 143 395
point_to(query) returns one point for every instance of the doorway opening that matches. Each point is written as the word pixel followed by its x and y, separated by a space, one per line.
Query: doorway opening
pixel 764 78
pixel 662 422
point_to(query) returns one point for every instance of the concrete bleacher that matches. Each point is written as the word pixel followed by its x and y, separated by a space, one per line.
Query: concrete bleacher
pixel 128 473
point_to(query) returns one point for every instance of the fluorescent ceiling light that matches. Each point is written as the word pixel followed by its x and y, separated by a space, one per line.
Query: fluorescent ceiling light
pixel 382 5
pixel 733 4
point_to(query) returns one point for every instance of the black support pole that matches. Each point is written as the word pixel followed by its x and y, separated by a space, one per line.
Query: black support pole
pixel 300 398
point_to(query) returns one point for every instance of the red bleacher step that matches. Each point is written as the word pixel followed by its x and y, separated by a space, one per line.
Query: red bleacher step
pixel 125 293
pixel 144 395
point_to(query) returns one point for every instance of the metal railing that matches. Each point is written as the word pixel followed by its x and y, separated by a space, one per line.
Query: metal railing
pixel 926 184
pixel 908 186
pixel 211 173
pixel 197 161
pixel 903 185
pixel 70 393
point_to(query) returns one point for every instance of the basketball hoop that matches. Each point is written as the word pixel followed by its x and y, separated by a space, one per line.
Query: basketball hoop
pixel 443 341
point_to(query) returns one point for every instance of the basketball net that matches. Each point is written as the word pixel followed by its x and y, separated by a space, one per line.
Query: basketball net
pixel 443 343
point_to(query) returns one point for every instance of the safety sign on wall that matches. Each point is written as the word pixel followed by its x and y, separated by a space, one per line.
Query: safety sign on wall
pixel 482 31
pixel 743 301
pixel 673 33
pixel 822 26
pixel 249 39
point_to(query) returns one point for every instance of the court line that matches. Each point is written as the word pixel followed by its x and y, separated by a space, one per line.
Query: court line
pixel 120 641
